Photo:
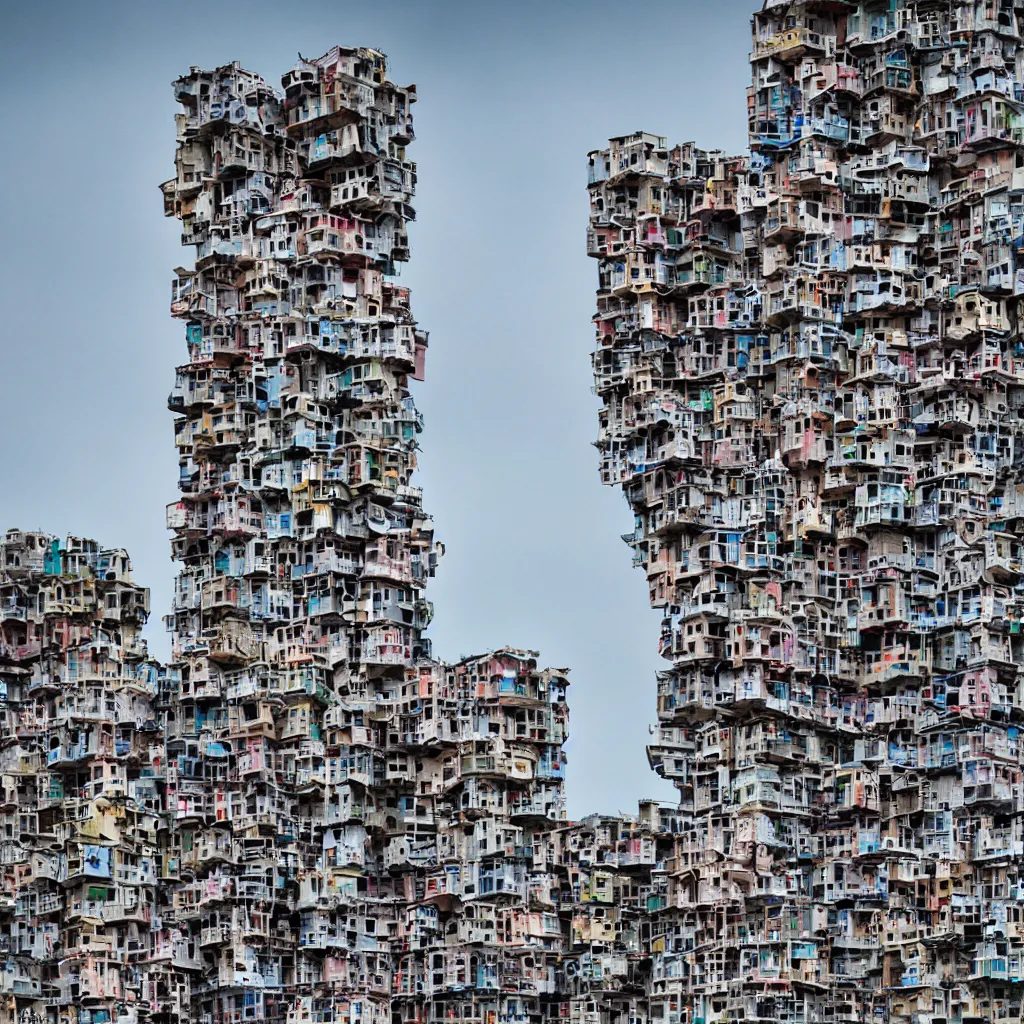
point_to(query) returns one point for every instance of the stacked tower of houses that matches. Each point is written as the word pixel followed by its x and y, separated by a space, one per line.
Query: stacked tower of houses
pixel 812 373
pixel 349 820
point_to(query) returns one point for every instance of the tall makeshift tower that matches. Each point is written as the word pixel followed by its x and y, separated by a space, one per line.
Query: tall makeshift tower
pixel 812 377
pixel 350 823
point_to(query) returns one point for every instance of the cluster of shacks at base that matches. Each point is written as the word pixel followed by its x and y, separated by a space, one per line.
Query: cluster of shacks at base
pixel 362 844
pixel 811 373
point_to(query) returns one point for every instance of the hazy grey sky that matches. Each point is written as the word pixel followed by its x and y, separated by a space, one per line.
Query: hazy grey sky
pixel 512 96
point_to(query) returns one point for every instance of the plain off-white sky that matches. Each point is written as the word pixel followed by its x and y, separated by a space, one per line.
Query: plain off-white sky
pixel 511 99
